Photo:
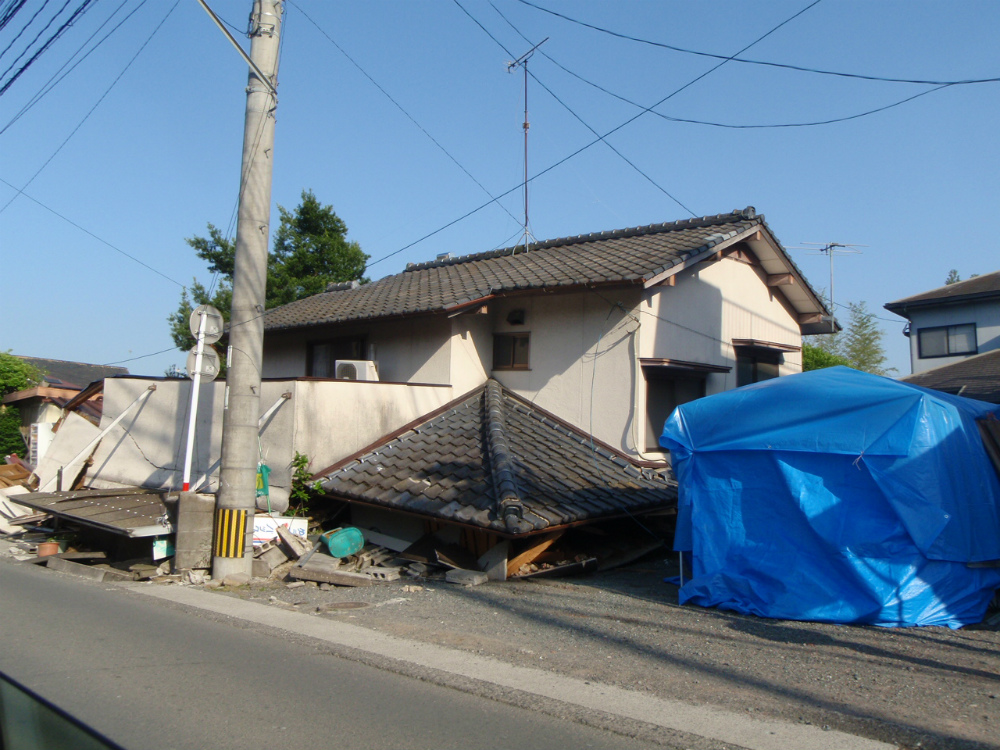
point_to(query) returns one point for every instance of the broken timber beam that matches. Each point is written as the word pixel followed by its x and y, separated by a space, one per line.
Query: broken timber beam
pixel 529 555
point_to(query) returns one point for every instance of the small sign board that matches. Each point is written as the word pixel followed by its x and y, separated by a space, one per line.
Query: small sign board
pixel 265 527
pixel 209 363
pixel 214 324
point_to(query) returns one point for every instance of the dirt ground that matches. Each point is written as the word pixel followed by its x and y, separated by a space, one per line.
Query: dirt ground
pixel 916 687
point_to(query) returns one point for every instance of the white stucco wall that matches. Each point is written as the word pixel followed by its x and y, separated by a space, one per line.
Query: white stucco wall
pixel 711 305
pixel 334 419
pixel 325 420
pixel 471 351
pixel 583 359
pixel 985 316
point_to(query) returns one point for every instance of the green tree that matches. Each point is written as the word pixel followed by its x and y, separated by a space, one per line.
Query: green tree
pixel 862 344
pixel 858 346
pixel 15 375
pixel 310 251
pixel 816 358
pixel 953 277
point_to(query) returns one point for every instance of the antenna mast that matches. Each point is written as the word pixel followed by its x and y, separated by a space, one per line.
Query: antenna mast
pixel 522 61
pixel 829 249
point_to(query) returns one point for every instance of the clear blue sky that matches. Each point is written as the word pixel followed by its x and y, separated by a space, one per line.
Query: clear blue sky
pixel 158 156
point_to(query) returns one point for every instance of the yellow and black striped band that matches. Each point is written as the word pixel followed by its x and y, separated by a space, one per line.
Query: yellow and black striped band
pixel 230 532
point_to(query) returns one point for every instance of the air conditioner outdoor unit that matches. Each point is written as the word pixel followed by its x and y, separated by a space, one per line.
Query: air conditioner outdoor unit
pixel 355 369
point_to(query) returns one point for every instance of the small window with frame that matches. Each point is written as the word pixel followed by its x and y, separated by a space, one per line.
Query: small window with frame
pixel 511 350
pixel 947 341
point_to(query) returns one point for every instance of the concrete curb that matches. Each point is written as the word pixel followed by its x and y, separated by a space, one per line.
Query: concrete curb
pixel 703 721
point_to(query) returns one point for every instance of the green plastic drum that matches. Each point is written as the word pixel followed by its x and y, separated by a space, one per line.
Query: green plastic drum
pixel 344 542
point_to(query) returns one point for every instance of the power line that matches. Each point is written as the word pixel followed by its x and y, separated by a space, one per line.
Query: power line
pixel 598 140
pixel 23 29
pixel 582 122
pixel 51 40
pixel 786 66
pixel 401 109
pixel 88 232
pixel 709 123
pixel 56 78
pixel 96 105
pixel 141 356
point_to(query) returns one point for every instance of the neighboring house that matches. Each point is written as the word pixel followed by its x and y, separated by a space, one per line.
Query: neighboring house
pixel 62 383
pixel 608 332
pixel 953 322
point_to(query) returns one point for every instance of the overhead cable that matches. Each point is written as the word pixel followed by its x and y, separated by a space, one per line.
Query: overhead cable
pixel 83 8
pixel 96 105
pixel 88 232
pixel 786 66
pixel 575 115
pixel 401 109
pixel 24 28
pixel 588 145
pixel 61 74
pixel 736 126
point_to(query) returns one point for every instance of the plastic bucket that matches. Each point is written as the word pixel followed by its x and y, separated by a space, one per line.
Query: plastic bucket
pixel 343 542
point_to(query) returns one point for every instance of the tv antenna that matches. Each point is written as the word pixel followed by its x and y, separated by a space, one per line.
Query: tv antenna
pixel 830 249
pixel 522 62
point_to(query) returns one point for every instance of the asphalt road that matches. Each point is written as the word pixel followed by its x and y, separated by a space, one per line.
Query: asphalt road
pixel 150 674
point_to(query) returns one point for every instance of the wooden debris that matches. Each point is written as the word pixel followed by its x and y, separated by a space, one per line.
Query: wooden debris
pixel 529 555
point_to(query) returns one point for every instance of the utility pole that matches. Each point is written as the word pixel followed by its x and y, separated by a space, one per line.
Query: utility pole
pixel 233 547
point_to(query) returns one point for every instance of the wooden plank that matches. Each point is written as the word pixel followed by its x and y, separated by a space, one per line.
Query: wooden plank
pixel 529 555
pixel 780 279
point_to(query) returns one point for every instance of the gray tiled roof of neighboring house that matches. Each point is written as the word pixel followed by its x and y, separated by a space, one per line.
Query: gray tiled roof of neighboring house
pixel 494 461
pixel 981 287
pixel 627 256
pixel 973 377
pixel 72 374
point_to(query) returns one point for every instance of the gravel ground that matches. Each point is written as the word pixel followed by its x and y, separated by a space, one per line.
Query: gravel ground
pixel 917 687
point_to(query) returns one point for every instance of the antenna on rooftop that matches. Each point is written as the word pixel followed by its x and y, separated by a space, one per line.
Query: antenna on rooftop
pixel 522 62
pixel 830 249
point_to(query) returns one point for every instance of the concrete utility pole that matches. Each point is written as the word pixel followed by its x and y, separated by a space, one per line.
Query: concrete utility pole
pixel 233 548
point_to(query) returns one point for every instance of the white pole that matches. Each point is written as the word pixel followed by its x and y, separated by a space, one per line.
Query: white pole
pixel 193 411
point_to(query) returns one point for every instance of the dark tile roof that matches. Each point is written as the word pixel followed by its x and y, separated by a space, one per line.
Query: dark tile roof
pixel 973 377
pixel 624 256
pixel 63 374
pixel 494 461
pixel 981 287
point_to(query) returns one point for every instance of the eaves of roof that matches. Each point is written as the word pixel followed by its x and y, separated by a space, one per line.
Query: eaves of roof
pixel 977 289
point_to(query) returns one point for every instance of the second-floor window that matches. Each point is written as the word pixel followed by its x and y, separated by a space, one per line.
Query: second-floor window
pixel 947 341
pixel 510 351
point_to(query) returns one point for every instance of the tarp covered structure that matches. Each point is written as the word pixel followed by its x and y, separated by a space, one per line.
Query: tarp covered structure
pixel 837 496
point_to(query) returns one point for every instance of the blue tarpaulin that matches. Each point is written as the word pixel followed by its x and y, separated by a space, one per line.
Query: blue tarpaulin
pixel 837 496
